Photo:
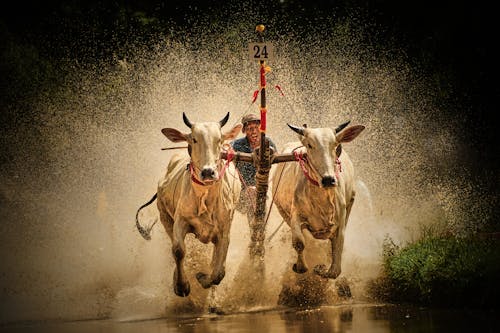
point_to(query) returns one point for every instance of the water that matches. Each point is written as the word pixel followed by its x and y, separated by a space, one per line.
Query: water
pixel 90 155
pixel 360 318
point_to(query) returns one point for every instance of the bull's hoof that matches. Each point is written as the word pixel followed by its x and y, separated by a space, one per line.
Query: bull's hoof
pixel 298 245
pixel 182 289
pixel 216 310
pixel 204 280
pixel 218 278
pixel 299 269
pixel 325 273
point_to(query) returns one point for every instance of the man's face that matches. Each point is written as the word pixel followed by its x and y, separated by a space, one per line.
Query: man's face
pixel 252 132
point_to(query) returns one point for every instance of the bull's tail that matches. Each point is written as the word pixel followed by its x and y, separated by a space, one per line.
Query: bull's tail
pixel 145 232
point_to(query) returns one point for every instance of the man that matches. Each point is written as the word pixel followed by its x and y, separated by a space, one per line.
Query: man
pixel 247 144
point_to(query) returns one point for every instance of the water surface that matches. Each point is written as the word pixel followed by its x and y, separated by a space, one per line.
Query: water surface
pixel 358 318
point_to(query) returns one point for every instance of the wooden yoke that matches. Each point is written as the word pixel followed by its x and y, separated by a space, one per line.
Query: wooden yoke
pixel 253 157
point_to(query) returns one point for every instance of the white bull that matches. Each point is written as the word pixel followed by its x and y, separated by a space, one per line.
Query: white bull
pixel 197 195
pixel 317 193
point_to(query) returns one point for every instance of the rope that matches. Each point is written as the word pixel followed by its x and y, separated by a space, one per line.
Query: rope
pixel 275 231
pixel 229 158
pixel 271 205
pixel 232 187
pixel 245 186
pixel 299 156
pixel 278 89
pixel 242 114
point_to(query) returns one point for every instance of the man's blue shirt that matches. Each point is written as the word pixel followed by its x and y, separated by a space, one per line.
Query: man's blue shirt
pixel 246 169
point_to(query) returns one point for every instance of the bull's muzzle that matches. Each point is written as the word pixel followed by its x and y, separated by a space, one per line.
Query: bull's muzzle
pixel 328 181
pixel 208 174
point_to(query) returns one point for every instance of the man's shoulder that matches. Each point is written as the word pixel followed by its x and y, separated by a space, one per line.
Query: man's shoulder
pixel 241 142
pixel 271 143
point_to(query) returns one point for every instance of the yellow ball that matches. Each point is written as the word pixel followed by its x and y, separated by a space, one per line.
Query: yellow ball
pixel 260 28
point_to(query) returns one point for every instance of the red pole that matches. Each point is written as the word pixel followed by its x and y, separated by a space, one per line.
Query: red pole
pixel 258 226
pixel 263 111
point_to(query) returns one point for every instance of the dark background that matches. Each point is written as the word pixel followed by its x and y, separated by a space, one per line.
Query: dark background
pixel 456 41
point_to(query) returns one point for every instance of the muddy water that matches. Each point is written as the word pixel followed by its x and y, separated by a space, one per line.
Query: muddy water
pixel 91 155
pixel 359 318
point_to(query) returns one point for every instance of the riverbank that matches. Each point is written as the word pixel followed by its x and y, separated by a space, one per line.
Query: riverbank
pixel 441 272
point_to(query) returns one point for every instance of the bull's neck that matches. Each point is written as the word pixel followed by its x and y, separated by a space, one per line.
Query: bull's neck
pixel 206 196
pixel 210 190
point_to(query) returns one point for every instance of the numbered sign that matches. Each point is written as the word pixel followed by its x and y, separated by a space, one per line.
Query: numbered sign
pixel 260 51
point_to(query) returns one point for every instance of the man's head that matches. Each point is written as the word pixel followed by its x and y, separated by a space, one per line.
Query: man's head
pixel 251 125
pixel 249 119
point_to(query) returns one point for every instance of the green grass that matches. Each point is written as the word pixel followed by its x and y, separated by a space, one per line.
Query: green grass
pixel 441 271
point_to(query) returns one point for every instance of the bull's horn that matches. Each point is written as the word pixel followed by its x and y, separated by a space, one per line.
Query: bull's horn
pixel 298 130
pixel 342 126
pixel 186 120
pixel 224 120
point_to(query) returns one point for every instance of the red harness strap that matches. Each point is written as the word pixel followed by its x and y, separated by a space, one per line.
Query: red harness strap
pixel 230 156
pixel 337 161
pixel 299 156
pixel 193 178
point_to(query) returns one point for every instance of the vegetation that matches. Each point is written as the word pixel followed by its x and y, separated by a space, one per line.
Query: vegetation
pixel 441 271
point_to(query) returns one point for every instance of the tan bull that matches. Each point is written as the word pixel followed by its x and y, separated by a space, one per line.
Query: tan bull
pixel 198 195
pixel 317 193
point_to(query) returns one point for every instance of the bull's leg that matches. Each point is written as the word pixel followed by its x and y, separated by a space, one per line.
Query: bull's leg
pixel 298 242
pixel 218 263
pixel 337 243
pixel 168 223
pixel 181 283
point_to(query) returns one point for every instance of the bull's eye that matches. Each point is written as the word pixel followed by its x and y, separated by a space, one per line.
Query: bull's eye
pixel 194 140
pixel 309 146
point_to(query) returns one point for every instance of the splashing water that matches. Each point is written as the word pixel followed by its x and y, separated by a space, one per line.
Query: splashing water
pixel 92 157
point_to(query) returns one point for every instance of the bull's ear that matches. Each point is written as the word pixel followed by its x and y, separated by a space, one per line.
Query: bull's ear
pixel 174 135
pixel 350 133
pixel 231 134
